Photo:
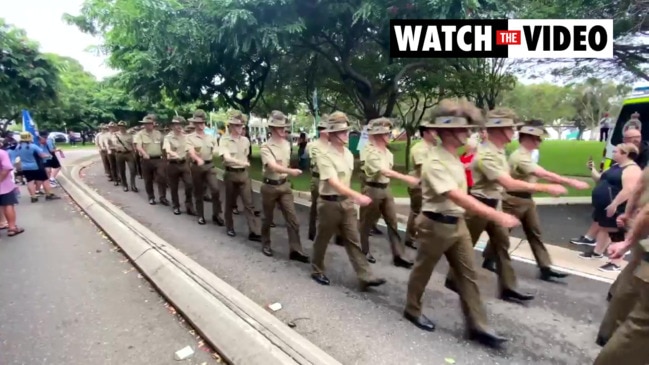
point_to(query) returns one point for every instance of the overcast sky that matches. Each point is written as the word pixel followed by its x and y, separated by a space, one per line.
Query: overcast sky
pixel 42 20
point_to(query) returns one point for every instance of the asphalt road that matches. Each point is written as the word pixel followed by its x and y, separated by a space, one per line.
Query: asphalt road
pixel 70 297
pixel 559 327
pixel 559 223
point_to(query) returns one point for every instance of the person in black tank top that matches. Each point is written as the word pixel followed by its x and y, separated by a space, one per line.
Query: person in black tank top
pixel 614 187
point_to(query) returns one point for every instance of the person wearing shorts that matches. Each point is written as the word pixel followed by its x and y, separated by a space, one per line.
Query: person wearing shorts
pixel 33 169
pixel 614 187
pixel 52 164
pixel 8 196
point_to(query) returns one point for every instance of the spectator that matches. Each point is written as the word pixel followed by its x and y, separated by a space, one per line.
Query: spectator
pixel 52 164
pixel 301 152
pixel 634 136
pixel 604 127
pixel 613 189
pixel 467 160
pixel 31 156
pixel 8 196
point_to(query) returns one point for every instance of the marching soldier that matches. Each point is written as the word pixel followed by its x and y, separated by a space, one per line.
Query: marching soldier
pixel 138 158
pixel 362 153
pixel 336 211
pixel 103 152
pixel 491 175
pixel 202 148
pixel 623 292
pixel 628 345
pixel 174 146
pixel 521 204
pixel 234 151
pixel 110 149
pixel 276 190
pixel 378 171
pixel 313 149
pixel 441 227
pixel 418 154
pixel 124 155
pixel 148 143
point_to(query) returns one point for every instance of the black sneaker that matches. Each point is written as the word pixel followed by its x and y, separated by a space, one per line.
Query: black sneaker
pixel 583 241
pixel 610 267
pixel 591 255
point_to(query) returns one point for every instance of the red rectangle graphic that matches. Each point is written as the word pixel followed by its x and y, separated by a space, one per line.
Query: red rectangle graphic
pixel 508 37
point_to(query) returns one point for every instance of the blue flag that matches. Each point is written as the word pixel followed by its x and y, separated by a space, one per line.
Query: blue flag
pixel 29 125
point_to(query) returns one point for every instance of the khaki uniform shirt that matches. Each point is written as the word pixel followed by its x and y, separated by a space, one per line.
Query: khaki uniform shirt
pixel 108 141
pixel 123 142
pixel 177 144
pixel 418 154
pixel 205 146
pixel 488 165
pixel 314 149
pixel 522 165
pixel 333 164
pixel 99 141
pixel 237 148
pixel 151 143
pixel 442 172
pixel 277 151
pixel 375 161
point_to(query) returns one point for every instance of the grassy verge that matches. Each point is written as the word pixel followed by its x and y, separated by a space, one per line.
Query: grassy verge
pixel 563 157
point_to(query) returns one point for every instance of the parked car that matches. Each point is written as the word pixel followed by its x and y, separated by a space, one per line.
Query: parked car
pixel 58 137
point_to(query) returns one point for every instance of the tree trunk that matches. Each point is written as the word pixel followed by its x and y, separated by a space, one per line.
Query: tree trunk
pixel 407 154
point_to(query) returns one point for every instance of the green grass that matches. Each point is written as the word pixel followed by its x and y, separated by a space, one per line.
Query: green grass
pixel 563 157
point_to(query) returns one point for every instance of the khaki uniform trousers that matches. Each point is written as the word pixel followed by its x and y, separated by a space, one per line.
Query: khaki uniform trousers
pixel 138 165
pixel 382 205
pixel 628 345
pixel 123 159
pixel 313 211
pixel 177 171
pixel 625 296
pixel 238 183
pixel 415 209
pixel 153 169
pixel 339 217
pixel 436 239
pixel 203 179
pixel 104 160
pixel 112 163
pixel 525 210
pixel 282 196
pixel 499 237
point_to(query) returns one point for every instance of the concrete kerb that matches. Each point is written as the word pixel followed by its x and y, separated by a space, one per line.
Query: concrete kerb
pixel 238 328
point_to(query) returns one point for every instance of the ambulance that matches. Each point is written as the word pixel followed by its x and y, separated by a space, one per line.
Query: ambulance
pixel 638 102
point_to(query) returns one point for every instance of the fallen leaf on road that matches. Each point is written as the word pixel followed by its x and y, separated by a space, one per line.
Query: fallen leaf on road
pixel 275 307
pixel 128 271
pixel 449 360
pixel 184 353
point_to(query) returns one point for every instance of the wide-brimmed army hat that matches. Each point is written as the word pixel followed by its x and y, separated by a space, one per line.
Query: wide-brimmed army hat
pixel 147 120
pixel 337 122
pixel 112 125
pixel 501 118
pixel 121 123
pixel 533 129
pixel 236 118
pixel 501 123
pixel 448 122
pixel 103 126
pixel 278 119
pixel 199 116
pixel 379 126
pixel 322 123
pixel 178 120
